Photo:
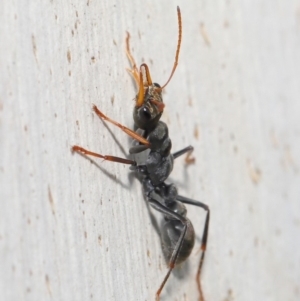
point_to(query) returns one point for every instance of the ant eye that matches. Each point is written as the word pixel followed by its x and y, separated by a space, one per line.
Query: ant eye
pixel 145 113
pixel 156 85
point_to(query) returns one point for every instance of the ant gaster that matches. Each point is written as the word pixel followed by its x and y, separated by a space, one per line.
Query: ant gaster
pixel 177 233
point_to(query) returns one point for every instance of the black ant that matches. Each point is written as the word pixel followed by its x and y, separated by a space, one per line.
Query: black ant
pixel 178 236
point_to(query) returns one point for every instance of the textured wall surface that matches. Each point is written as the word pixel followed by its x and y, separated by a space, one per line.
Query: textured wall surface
pixel 78 229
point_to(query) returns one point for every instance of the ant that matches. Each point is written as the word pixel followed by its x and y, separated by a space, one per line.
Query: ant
pixel 177 232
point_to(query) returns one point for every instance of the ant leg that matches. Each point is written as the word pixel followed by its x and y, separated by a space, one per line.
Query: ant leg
pixel 134 70
pixel 185 222
pixel 81 150
pixel 137 149
pixel 181 152
pixel 128 131
pixel 204 236
pixel 188 158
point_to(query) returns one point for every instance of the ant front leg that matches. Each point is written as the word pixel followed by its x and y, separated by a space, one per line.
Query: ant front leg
pixel 84 151
pixel 204 236
pixel 128 131
pixel 138 149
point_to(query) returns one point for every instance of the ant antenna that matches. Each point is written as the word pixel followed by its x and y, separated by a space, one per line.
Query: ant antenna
pixel 178 47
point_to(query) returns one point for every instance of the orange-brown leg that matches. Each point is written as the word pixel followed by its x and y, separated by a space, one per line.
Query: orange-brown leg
pixel 203 249
pixel 84 151
pixel 189 159
pixel 201 297
pixel 157 297
pixel 128 131
pixel 133 70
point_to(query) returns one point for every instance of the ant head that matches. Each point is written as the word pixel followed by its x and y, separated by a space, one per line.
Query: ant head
pixel 149 103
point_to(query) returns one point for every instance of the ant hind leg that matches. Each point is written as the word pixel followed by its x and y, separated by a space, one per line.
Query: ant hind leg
pixel 185 223
pixel 204 237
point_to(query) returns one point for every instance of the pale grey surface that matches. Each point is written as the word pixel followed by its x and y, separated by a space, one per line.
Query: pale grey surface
pixel 72 230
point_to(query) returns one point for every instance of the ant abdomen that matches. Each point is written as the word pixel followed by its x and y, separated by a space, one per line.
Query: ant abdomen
pixel 170 233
